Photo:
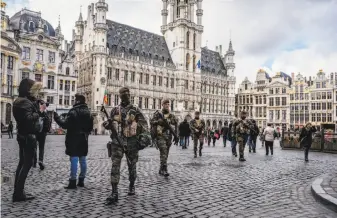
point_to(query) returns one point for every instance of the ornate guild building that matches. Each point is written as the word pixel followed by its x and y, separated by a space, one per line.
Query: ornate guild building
pixel 110 55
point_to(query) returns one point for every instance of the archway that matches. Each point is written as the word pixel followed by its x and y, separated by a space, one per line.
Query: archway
pixel 8 113
pixel 220 124
pixel 208 123
pixel 215 126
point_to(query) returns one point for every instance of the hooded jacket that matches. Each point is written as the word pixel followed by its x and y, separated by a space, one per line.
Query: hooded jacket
pixel 25 110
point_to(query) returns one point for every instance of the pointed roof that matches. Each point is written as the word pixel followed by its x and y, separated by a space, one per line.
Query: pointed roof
pixel 230 50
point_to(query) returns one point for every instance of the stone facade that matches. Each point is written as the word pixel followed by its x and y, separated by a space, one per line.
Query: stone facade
pixel 110 55
pixel 45 57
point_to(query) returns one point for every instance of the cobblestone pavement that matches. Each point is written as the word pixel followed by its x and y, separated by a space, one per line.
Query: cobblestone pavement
pixel 215 185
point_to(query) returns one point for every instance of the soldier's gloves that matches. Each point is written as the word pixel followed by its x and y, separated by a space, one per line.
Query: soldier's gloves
pixel 107 124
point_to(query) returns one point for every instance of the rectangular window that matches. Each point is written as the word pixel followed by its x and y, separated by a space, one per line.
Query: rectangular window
pixel 329 106
pixel 116 100
pixel 133 75
pixel 61 100
pixel 154 80
pixel 159 103
pixel 50 99
pixel 25 53
pixel 25 75
pixel 132 99
pixel 329 95
pixel 61 84
pixel 109 75
pixel 318 106
pixel 117 74
pixel 271 101
pixel 109 99
pixel 313 106
pixel 146 103
pixel 193 85
pixel 329 117
pixel 284 115
pixel 277 101
pixel 73 86
pixel 2 61
pixel 318 96
pixel 284 100
pixel 186 84
pixel 126 75
pixel 72 100
pixel 51 57
pixel 313 96
pixel 140 78
pixel 323 117
pixel 324 95
pixel 166 82
pixel 186 105
pixel 147 79
pixel 271 91
pixel 323 105
pixel 313 117
pixel 38 77
pixel 172 83
pixel 10 64
pixel 39 54
pixel 51 82
pixel 67 85
pixel 161 81
pixel 154 103
pixel 318 85
pixel 67 100
pixel 140 102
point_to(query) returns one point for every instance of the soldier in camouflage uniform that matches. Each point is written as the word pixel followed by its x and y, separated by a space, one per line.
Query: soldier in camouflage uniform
pixel 240 131
pixel 132 128
pixel 163 134
pixel 197 126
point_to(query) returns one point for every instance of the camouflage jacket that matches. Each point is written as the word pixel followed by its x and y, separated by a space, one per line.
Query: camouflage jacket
pixel 129 121
pixel 161 130
pixel 241 127
pixel 198 126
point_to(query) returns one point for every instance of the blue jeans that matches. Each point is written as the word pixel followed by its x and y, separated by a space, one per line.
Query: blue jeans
pixel 73 167
pixel 233 144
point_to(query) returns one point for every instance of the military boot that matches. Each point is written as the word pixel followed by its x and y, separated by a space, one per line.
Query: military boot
pixel 200 154
pixel 242 158
pixel 195 154
pixel 165 173
pixel 113 198
pixel 132 188
pixel 161 170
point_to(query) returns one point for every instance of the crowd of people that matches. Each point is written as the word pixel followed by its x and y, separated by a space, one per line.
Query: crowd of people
pixel 129 133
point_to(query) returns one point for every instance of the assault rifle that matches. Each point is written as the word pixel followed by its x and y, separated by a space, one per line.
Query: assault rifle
pixel 169 127
pixel 114 134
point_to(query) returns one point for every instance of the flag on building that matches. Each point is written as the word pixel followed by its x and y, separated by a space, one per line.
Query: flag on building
pixel 105 100
pixel 199 64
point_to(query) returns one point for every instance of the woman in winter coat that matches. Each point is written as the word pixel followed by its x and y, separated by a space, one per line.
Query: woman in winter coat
pixel 306 139
pixel 269 136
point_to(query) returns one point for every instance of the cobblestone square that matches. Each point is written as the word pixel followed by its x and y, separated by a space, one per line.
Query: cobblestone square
pixel 214 185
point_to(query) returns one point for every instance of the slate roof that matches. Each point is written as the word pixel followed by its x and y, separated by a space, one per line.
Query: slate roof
pixel 25 16
pixel 211 62
pixel 137 42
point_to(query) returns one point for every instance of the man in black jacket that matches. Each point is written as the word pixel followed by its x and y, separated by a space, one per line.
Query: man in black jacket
pixel 224 132
pixel 78 123
pixel 184 133
pixel 306 138
pixel 26 114
pixel 41 136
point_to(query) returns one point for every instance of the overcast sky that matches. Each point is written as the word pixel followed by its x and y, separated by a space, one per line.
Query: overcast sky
pixel 278 35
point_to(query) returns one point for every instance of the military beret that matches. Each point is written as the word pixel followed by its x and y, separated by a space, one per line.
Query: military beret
pixel 124 89
pixel 166 101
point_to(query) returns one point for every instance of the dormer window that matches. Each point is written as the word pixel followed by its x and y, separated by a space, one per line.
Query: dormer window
pixel 45 28
pixel 31 26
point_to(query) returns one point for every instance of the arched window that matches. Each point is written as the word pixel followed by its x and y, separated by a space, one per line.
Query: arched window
pixel 187 61
pixel 67 70
pixel 45 28
pixel 188 39
pixel 194 63
pixel 194 40
pixel 31 26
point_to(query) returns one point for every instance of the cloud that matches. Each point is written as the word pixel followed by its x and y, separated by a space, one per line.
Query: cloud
pixel 288 36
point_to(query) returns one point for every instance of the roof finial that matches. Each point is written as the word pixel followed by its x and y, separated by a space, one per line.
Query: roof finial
pixel 80 17
pixel 230 35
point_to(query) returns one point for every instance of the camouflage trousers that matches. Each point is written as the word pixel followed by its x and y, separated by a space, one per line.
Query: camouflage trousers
pixel 197 139
pixel 241 142
pixel 164 144
pixel 117 155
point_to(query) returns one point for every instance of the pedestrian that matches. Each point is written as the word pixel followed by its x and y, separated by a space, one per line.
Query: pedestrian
pixel 306 139
pixel 216 136
pixel 132 129
pixel 41 136
pixel 232 139
pixel 79 123
pixel 26 114
pixel 209 134
pixel 254 132
pixel 10 129
pixel 198 129
pixel 262 137
pixel 164 134
pixel 184 131
pixel 269 134
pixel 240 130
pixel 224 133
